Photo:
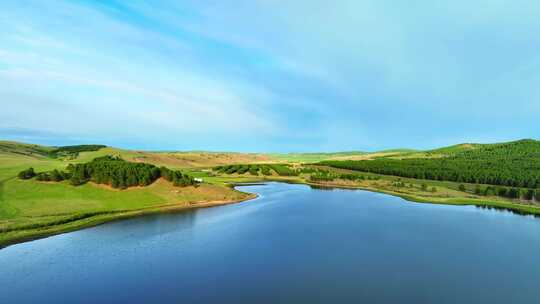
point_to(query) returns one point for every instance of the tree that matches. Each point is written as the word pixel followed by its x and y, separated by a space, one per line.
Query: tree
pixel 27 174
pixel 513 193
pixel 528 194
pixel 478 190
pixel 56 176
pixel 489 191
pixel 462 187
pixel 43 177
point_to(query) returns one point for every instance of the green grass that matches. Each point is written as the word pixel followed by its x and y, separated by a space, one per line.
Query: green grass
pixel 11 147
pixel 32 198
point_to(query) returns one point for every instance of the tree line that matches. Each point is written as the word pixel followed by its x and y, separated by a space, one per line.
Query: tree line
pixel 511 193
pixel 112 171
pixel 514 164
pixel 264 169
pixel 320 175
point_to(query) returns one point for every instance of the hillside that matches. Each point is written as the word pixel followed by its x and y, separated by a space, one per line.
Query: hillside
pixel 514 164
pixel 173 159
pixel 11 147
pixel 46 205
pixel 455 149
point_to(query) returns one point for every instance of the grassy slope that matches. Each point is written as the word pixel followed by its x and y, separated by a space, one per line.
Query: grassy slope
pixel 29 208
pixel 311 157
pixel 200 159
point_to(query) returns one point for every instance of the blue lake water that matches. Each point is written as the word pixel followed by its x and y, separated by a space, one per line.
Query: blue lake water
pixel 293 244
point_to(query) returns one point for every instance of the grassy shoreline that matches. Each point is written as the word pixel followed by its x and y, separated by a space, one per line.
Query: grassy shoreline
pixel 24 235
pixel 512 206
pixel 456 201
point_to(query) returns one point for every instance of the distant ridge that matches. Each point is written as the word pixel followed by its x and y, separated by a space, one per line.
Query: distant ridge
pixel 35 150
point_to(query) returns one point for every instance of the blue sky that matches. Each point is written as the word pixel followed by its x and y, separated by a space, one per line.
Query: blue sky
pixel 303 75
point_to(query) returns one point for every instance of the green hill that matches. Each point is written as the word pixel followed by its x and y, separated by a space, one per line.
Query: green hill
pixel 454 149
pixel 515 164
pixel 45 205
pixel 311 157
pixel 11 147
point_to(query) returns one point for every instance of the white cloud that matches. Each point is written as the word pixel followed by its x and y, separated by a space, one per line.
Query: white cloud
pixel 142 93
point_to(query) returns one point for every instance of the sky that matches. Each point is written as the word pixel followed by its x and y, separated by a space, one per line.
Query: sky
pixel 269 76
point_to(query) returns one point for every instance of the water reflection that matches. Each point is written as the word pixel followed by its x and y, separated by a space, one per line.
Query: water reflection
pixel 295 244
pixel 507 210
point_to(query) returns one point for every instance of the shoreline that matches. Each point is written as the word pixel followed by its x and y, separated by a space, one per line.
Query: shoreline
pixel 27 235
pixel 517 208
pixel 521 209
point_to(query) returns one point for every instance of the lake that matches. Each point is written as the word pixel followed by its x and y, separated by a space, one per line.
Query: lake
pixel 294 244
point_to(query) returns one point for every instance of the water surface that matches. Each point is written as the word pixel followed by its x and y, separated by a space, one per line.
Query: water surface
pixel 294 244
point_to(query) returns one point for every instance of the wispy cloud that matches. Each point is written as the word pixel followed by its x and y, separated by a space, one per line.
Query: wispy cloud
pixel 261 75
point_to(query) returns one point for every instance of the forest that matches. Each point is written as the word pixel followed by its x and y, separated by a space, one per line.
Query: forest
pixel 515 164
pixel 112 171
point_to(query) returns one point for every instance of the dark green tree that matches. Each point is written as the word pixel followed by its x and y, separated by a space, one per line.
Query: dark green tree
pixel 27 174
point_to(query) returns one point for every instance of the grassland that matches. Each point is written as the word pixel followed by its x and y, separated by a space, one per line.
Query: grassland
pixel 30 209
pixel 313 157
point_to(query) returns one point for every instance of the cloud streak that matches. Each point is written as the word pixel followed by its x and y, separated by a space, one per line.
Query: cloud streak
pixel 267 75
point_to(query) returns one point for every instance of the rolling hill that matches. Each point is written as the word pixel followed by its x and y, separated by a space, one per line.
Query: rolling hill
pixel 515 164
